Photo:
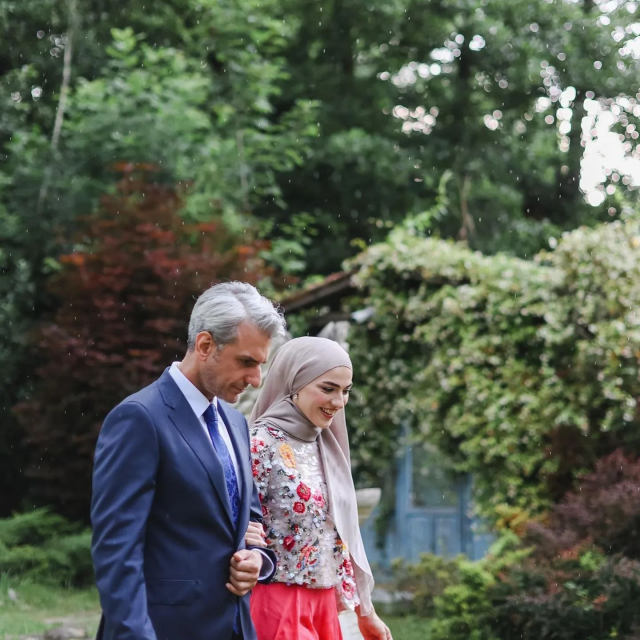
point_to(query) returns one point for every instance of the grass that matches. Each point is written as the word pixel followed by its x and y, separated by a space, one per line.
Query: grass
pixel 408 627
pixel 37 608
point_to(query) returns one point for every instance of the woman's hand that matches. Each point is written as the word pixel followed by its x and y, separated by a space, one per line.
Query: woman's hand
pixel 255 535
pixel 372 627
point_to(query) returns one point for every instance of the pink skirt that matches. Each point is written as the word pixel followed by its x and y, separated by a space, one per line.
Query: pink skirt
pixel 282 612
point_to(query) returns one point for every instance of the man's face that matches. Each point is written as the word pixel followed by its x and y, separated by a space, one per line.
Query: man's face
pixel 227 372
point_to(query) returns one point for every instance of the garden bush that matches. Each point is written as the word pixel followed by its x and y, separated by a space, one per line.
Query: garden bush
pixel 603 509
pixel 574 575
pixel 521 372
pixel 125 295
pixel 463 611
pixel 425 580
pixel 47 548
pixel 581 595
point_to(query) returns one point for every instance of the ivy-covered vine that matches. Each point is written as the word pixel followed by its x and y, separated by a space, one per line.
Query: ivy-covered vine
pixel 521 373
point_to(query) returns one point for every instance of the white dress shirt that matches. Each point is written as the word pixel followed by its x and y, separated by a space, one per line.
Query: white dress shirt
pixel 199 404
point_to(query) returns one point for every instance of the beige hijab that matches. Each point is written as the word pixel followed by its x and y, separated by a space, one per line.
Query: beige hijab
pixel 296 364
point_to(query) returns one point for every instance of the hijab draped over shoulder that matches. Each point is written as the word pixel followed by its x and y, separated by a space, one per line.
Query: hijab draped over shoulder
pixel 295 365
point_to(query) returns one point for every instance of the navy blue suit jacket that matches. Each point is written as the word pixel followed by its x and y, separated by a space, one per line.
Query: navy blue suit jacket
pixel 163 535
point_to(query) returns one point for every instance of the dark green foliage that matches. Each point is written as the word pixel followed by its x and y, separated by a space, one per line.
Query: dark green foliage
pixel 186 88
pixel 410 92
pixel 320 125
pixel 575 575
pixel 46 548
pixel 579 596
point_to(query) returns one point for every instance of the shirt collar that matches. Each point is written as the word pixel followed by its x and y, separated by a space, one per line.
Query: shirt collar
pixel 196 399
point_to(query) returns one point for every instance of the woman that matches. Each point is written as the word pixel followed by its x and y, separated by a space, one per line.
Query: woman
pixel 302 468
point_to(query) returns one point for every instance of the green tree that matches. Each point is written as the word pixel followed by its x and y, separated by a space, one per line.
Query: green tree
pixel 91 88
pixel 490 93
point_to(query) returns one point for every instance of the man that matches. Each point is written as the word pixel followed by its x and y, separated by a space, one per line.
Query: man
pixel 173 492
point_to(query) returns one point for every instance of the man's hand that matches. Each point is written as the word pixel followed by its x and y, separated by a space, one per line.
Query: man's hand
pixel 255 535
pixel 245 570
pixel 372 628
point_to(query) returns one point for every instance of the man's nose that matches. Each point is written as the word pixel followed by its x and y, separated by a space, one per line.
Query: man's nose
pixel 255 377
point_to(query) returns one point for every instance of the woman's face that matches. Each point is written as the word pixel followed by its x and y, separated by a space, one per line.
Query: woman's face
pixel 321 399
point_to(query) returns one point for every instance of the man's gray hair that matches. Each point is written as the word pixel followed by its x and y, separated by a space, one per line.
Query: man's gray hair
pixel 221 309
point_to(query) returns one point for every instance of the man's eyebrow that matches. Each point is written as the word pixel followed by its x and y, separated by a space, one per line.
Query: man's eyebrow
pixel 251 359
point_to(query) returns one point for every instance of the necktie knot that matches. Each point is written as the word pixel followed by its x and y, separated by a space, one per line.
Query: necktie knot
pixel 211 417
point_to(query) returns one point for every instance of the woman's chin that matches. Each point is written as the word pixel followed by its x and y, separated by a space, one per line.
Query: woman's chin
pixel 323 423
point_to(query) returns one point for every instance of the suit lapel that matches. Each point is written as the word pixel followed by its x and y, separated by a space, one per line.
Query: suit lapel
pixel 242 456
pixel 186 422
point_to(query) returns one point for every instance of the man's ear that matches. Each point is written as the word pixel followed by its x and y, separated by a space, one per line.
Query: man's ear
pixel 205 345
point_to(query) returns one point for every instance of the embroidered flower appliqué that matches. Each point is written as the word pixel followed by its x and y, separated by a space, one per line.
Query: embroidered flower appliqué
pixel 303 491
pixel 288 457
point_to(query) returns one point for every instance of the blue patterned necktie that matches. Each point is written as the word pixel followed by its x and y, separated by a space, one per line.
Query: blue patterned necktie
pixel 211 418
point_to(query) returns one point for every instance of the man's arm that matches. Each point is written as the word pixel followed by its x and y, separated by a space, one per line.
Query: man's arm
pixel 125 467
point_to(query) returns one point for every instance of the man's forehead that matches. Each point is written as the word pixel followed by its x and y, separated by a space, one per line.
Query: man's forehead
pixel 247 350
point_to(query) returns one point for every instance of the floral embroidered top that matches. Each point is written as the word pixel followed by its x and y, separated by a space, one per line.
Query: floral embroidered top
pixel 293 493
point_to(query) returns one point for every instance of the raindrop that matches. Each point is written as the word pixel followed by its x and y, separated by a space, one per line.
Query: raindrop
pixel 40 34
pixel 16 97
pixel 477 43
pixel 36 92
pixel 491 123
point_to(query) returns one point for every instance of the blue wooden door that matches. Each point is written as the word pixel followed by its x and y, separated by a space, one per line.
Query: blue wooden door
pixel 432 513
pixel 431 504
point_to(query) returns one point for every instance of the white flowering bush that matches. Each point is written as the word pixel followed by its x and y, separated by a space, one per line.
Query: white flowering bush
pixel 521 373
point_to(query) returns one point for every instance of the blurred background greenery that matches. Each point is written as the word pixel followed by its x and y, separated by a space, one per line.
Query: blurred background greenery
pixel 442 147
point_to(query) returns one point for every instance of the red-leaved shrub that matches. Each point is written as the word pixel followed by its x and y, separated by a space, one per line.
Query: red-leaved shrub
pixel 125 295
